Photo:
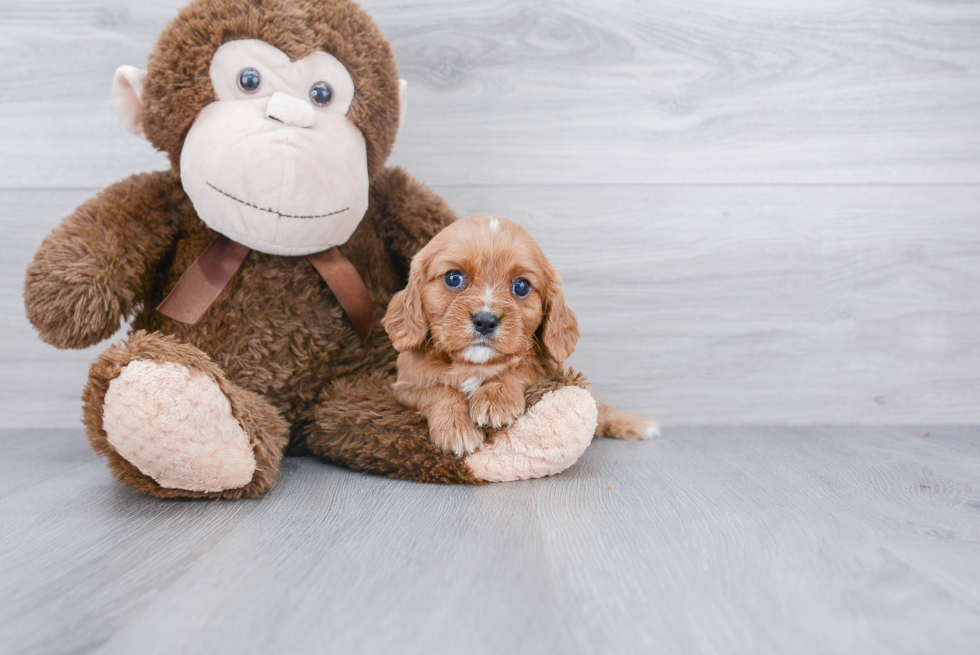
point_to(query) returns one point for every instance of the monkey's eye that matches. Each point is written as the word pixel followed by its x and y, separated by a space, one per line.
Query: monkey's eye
pixel 249 80
pixel 454 279
pixel 321 94
pixel 521 287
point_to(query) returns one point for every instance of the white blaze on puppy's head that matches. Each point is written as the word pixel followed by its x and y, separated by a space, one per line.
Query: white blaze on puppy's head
pixel 488 299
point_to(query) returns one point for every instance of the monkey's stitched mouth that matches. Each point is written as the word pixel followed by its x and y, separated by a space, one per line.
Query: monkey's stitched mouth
pixel 273 211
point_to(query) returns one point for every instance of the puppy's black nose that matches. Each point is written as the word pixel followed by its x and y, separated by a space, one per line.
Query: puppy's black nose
pixel 485 323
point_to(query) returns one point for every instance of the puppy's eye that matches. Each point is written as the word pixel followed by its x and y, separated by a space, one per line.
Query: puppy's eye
pixel 249 80
pixel 521 287
pixel 455 279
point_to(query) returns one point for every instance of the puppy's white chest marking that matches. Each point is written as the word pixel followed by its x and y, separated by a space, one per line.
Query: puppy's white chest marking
pixel 470 385
pixel 478 354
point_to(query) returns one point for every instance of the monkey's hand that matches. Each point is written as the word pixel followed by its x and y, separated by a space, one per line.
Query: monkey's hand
pixel 92 270
pixel 72 295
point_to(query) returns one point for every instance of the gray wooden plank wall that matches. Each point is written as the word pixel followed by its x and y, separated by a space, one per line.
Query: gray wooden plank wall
pixel 766 212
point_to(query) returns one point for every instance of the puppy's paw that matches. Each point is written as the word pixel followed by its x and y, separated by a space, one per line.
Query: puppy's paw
pixel 617 424
pixel 496 405
pixel 456 435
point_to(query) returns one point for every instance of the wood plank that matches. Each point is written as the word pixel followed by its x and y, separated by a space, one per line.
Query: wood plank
pixel 724 540
pixel 698 305
pixel 803 541
pixel 762 306
pixel 568 93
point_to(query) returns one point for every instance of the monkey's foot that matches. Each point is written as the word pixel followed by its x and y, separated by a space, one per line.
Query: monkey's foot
pixel 175 425
pixel 546 440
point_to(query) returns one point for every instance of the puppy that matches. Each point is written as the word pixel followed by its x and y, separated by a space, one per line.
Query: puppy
pixel 482 318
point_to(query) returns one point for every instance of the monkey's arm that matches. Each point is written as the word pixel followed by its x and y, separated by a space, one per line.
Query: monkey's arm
pixel 409 215
pixel 95 267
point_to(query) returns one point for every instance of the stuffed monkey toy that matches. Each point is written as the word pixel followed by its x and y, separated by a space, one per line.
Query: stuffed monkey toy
pixel 255 270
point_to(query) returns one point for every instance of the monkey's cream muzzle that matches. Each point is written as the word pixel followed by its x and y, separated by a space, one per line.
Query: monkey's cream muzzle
pixel 270 169
pixel 272 165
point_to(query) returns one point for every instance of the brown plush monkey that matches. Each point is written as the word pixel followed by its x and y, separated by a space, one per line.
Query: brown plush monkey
pixel 254 269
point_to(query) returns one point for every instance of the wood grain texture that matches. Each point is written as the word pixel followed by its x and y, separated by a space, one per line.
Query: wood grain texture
pixel 846 540
pixel 548 92
pixel 698 305
pixel 765 213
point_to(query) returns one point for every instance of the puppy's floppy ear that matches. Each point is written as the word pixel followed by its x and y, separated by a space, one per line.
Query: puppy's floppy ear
pixel 559 328
pixel 405 319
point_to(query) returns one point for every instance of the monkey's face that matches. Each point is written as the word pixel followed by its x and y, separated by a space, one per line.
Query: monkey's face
pixel 274 163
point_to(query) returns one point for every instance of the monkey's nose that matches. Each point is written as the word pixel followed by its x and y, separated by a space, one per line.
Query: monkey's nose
pixel 290 110
pixel 485 323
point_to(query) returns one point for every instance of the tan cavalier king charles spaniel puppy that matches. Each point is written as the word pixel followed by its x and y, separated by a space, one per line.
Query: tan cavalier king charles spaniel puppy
pixel 482 318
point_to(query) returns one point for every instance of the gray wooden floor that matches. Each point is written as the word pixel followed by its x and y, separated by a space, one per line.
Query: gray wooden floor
pixel 711 540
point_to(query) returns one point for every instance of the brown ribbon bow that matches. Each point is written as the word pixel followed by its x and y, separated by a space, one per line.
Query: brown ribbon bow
pixel 202 283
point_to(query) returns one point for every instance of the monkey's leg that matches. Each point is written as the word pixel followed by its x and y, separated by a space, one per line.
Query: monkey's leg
pixel 172 426
pixel 358 423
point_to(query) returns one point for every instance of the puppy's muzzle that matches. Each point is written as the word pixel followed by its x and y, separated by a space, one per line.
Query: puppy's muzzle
pixel 485 323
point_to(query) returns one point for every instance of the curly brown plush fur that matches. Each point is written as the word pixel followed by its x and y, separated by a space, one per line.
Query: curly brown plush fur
pixel 276 342
pixel 274 339
pixel 401 447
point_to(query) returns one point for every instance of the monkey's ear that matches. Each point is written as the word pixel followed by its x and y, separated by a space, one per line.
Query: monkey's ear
pixel 402 102
pixel 127 89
